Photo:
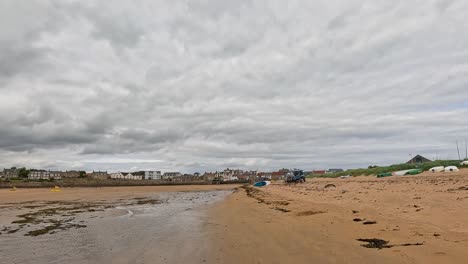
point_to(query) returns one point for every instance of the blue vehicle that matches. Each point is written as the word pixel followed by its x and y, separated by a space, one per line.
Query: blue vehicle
pixel 295 176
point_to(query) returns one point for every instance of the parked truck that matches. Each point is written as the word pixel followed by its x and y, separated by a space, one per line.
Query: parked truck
pixel 295 176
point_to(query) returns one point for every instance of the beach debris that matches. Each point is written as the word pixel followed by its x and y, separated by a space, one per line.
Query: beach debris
pixel 358 220
pixel 380 243
pixel 141 201
pixel 345 176
pixel 462 188
pixel 56 225
pixel 451 169
pixel 284 210
pixel 437 169
pixel 464 163
pixel 374 243
pixel 307 213
pixel 49 217
pixel 13 189
pixel 56 189
pixel 330 185
pixel 355 211
pixel 370 223
pixel 280 202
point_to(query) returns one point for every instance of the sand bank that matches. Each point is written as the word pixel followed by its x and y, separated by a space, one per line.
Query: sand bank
pixel 417 219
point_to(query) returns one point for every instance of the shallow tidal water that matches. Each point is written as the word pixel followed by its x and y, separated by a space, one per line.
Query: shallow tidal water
pixel 169 232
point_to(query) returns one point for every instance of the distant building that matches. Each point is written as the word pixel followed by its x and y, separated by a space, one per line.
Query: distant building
pixel 248 175
pixel 418 159
pixel 70 174
pixel 229 174
pixel 11 173
pixel 265 175
pixel 102 175
pixel 319 172
pixel 56 175
pixel 171 175
pixel 334 170
pixel 38 175
pixel 153 175
pixel 208 176
pixel 278 175
pixel 44 175
pixel 139 174
pixel 125 176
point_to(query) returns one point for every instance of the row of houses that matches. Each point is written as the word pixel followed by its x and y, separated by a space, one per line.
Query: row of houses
pixel 144 175
pixel 34 174
pixel 224 175
pixel 9 173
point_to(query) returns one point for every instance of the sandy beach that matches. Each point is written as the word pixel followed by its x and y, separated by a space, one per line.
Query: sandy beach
pixel 422 219
pixel 410 219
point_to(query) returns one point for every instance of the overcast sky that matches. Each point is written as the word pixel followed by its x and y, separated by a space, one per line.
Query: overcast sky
pixel 201 85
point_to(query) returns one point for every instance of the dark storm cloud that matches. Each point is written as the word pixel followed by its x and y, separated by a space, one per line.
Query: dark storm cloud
pixel 197 85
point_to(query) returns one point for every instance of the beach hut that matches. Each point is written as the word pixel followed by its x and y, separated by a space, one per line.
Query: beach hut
pixel 437 169
pixel 451 168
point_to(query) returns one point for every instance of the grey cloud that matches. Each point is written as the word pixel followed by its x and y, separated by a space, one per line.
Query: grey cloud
pixel 205 84
pixel 19 59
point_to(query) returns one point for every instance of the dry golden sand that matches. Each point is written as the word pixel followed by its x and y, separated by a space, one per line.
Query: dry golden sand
pixel 308 223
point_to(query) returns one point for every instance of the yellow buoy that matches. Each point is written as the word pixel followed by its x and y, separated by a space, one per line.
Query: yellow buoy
pixel 56 189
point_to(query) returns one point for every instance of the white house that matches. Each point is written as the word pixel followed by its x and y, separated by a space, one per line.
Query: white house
pixel 38 175
pixel 230 175
pixel 125 176
pixel 44 175
pixel 171 175
pixel 153 175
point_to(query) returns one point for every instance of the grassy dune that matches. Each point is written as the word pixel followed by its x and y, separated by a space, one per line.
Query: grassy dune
pixel 392 168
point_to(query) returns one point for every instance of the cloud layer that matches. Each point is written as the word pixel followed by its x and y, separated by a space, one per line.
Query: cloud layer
pixel 202 85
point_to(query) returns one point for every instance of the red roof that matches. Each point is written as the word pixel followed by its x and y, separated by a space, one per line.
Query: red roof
pixel 278 173
pixel 319 172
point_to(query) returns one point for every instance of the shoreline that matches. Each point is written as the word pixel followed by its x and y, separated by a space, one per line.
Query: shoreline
pixel 84 183
pixel 96 193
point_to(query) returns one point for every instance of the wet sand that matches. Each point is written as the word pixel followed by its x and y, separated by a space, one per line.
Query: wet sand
pixel 423 219
pixel 107 225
